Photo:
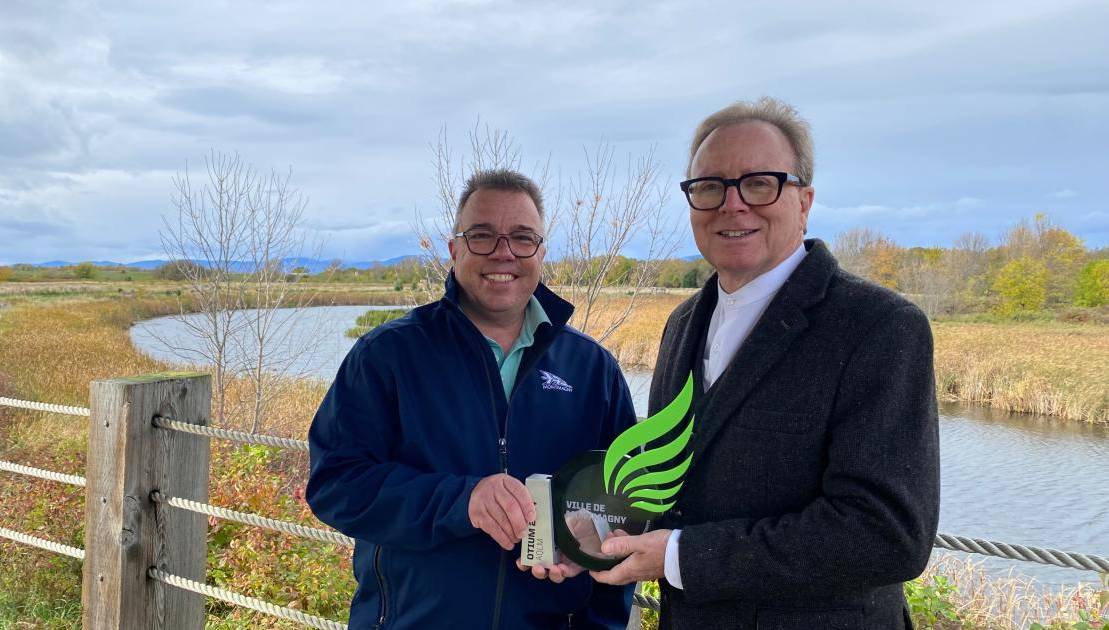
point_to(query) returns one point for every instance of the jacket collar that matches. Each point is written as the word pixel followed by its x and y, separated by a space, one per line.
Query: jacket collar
pixel 557 309
pixel 775 332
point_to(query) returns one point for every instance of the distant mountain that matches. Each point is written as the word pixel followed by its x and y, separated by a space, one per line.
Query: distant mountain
pixel 313 265
pixel 62 263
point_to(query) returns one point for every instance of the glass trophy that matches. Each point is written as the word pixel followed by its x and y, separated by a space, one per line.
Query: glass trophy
pixel 622 488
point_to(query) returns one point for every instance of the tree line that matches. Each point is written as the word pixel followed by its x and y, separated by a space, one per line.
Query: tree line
pixel 1037 266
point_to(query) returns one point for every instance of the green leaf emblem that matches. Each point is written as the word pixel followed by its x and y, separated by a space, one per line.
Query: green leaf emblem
pixel 654 476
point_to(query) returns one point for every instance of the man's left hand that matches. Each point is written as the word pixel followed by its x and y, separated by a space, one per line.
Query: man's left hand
pixel 646 558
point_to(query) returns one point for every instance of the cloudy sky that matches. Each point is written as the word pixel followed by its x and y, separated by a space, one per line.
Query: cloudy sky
pixel 931 119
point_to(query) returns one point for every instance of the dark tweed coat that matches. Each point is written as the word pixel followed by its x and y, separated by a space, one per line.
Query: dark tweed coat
pixel 814 488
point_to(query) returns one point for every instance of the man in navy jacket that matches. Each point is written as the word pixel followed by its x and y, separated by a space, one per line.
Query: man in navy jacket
pixel 419 448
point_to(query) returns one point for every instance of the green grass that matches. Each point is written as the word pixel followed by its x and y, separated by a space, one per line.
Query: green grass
pixel 51 597
pixel 372 319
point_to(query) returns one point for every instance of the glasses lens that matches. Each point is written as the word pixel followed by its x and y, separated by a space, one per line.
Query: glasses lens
pixel 481 242
pixel 523 243
pixel 706 194
pixel 759 190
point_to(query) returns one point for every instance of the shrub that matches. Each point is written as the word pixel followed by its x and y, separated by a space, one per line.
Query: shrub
pixel 179 270
pixel 372 319
pixel 85 271
pixel 930 602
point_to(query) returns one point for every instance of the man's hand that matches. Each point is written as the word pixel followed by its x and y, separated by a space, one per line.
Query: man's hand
pixel 646 558
pixel 502 507
pixel 557 573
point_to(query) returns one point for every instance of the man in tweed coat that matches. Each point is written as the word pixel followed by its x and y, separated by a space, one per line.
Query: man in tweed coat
pixel 814 486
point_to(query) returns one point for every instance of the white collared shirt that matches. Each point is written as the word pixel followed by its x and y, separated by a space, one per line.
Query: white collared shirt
pixel 736 314
pixel 732 320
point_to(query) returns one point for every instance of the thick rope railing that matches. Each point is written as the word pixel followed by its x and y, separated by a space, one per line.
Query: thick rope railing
pixel 38 406
pixel 42 543
pixel 645 601
pixel 50 475
pixel 228 434
pixel 252 603
pixel 284 527
pixel 1065 559
pixel 1007 551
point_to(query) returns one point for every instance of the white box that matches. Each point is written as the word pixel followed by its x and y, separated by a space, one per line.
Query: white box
pixel 538 545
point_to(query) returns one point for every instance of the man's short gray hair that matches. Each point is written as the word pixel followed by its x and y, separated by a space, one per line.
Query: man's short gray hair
pixel 499 179
pixel 770 111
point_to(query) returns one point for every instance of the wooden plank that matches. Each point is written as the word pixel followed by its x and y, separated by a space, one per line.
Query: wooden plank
pixel 125 534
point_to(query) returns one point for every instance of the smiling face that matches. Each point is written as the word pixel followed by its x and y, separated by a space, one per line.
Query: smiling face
pixel 496 288
pixel 740 241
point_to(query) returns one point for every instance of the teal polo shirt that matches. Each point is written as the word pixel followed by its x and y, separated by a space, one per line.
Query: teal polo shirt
pixel 510 363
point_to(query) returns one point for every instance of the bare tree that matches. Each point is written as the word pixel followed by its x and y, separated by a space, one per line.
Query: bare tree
pixel 591 223
pixel 970 261
pixel 851 247
pixel 274 307
pixel 605 212
pixel 229 242
pixel 205 242
pixel 930 279
pixel 869 254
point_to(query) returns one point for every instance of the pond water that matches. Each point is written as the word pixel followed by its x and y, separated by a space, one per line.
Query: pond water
pixel 1004 477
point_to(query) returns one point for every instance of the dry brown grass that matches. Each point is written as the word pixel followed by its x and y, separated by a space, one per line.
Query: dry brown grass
pixel 1051 369
pixel 1012 602
pixel 635 343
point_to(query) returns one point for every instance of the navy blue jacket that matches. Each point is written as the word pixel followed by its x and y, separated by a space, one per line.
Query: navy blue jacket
pixel 415 418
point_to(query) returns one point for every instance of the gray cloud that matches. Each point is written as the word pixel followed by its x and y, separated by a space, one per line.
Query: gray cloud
pixel 914 106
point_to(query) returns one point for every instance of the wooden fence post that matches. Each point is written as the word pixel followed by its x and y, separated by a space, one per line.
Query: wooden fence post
pixel 125 532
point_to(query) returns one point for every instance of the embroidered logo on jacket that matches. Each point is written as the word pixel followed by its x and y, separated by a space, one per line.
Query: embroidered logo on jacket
pixel 550 381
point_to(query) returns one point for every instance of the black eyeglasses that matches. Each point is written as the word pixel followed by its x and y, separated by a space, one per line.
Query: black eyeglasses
pixel 755 189
pixel 482 241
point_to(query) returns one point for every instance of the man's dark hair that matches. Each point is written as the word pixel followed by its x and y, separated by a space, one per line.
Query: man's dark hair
pixel 499 179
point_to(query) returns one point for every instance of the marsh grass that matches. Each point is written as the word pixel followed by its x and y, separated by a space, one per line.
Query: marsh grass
pixel 1044 367
pixel 369 320
pixel 1052 369
pixel 635 343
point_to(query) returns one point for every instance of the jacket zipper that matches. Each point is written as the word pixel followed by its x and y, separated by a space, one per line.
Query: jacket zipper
pixel 502 451
pixel 502 455
pixel 382 588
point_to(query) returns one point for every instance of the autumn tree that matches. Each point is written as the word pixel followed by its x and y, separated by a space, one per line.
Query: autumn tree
pixel 1062 254
pixel 1093 284
pixel 869 254
pixel 1022 286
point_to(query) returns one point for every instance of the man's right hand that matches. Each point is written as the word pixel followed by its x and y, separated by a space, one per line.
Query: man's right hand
pixel 501 506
